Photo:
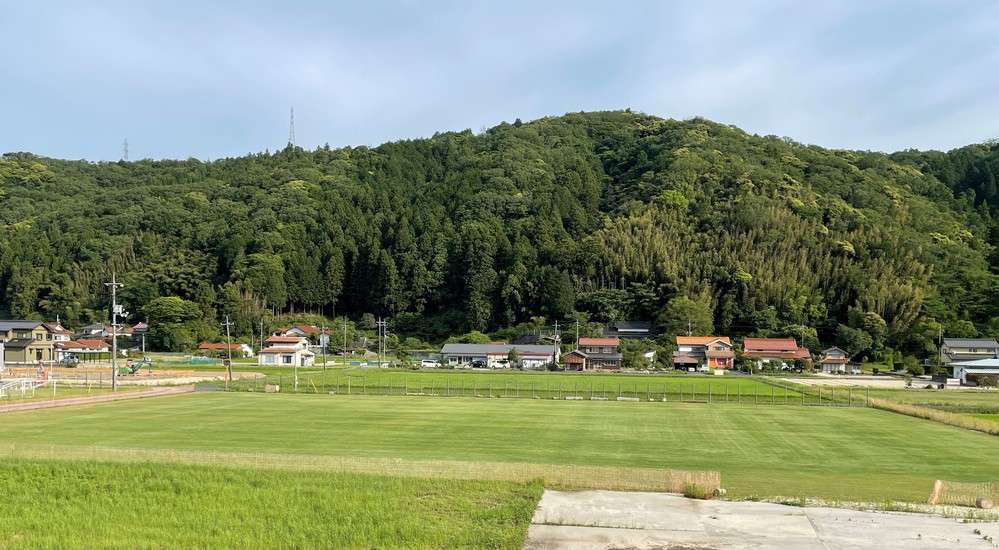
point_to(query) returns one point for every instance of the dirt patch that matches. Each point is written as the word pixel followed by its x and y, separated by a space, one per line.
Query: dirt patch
pixel 95 399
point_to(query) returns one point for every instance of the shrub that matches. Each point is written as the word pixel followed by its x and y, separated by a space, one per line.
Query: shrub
pixel 875 370
pixel 693 490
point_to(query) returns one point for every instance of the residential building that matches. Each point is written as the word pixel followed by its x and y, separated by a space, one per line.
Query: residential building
pixel 713 352
pixel 962 350
pixel 630 329
pixel 30 341
pixel 967 371
pixel 496 355
pixel 306 331
pixel 84 349
pixel 595 354
pixel 286 351
pixel 780 351
pixel 836 360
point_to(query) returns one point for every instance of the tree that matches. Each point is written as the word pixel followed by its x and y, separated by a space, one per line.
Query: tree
pixel 683 313
pixel 513 357
pixel 853 341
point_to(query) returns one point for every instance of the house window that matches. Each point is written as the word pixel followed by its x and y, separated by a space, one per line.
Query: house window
pixel 269 359
pixel 286 359
pixel 38 337
pixel 974 350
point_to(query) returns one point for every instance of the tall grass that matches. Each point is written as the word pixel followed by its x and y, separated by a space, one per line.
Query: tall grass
pixel 952 419
pixel 102 505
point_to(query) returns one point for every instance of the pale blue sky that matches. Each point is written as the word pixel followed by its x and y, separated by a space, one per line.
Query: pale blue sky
pixel 185 79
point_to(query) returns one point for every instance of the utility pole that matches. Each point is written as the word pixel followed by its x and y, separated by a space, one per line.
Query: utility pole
pixel 344 341
pixel 228 348
pixel 144 339
pixel 116 310
pixel 261 333
pixel 555 347
pixel 688 328
pixel 381 334
pixel 577 335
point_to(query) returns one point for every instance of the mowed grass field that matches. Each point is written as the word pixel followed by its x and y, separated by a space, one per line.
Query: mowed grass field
pixel 943 399
pixel 828 452
pixel 50 504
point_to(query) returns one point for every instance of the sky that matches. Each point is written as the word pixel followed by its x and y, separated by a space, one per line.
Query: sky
pixel 215 79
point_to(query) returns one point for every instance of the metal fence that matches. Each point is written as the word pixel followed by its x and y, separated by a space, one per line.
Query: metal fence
pixel 596 390
pixel 561 476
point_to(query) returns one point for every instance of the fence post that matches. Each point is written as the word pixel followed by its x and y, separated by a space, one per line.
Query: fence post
pixel 740 393
pixel 772 389
pixel 849 397
pixel 709 392
pixel 868 397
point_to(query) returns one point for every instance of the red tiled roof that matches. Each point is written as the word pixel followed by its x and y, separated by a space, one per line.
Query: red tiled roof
pixel 69 345
pixel 599 341
pixel 93 344
pixel 307 329
pixel 701 340
pixel 278 350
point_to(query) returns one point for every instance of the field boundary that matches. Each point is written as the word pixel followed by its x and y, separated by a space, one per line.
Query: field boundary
pixel 561 476
pixel 104 398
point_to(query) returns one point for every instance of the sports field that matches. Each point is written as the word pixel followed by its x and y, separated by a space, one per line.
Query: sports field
pixel 828 452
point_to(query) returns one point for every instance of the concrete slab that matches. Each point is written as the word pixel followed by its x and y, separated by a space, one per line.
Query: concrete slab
pixel 606 520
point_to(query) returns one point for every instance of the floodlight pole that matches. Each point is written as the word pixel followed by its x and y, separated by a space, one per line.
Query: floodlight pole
pixel 228 347
pixel 323 341
pixel 115 310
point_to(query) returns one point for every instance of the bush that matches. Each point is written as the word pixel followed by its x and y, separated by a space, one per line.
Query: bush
pixel 693 490
pixel 916 370
pixel 875 370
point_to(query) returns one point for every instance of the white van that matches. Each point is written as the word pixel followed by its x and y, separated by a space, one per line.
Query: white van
pixel 430 363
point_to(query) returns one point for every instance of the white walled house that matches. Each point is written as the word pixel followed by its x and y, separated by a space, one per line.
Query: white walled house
pixel 495 355
pixel 286 351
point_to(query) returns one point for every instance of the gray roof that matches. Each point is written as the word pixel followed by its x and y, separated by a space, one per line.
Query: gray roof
pixel 484 349
pixel 979 364
pixel 971 342
pixel 17 324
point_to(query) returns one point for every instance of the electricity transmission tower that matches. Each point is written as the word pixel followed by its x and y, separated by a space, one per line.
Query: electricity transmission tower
pixel 291 129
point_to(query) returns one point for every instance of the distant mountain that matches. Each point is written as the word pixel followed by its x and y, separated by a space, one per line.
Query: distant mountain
pixel 609 215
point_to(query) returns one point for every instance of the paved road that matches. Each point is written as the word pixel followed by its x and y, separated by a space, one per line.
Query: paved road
pixel 605 520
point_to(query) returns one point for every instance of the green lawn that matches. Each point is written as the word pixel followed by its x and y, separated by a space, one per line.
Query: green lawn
pixel 50 504
pixel 831 452
pixel 63 390
pixel 992 417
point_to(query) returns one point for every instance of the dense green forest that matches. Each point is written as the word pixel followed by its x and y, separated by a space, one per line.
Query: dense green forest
pixel 592 216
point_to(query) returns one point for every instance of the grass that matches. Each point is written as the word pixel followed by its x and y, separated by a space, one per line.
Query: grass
pixel 966 421
pixel 945 399
pixel 49 504
pixel 835 453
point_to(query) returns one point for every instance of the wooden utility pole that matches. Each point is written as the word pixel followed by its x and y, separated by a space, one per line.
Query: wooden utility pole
pixel 228 349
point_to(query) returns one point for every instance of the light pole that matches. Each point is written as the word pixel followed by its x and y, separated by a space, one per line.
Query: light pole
pixel 228 347
pixel 116 310
pixel 324 339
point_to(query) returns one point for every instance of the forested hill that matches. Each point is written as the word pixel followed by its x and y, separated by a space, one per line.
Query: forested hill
pixel 612 215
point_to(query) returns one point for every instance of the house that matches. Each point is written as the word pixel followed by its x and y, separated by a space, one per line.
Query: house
pixel 783 351
pixel 495 355
pixel 29 341
pixel 306 331
pixel 836 360
pixel 631 329
pixel 713 352
pixel 593 354
pixel 286 351
pixel 962 350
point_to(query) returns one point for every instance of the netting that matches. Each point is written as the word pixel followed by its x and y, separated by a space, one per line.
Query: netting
pixel 964 494
pixel 560 476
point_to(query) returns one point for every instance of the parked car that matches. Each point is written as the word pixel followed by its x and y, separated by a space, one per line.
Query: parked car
pixel 69 361
pixel 430 363
pixel 478 364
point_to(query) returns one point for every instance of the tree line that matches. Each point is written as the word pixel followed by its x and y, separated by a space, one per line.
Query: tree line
pixel 589 216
